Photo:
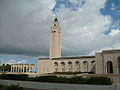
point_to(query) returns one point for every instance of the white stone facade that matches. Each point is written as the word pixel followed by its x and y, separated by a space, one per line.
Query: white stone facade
pixel 22 68
pixel 105 62
pixel 70 64
pixel 108 62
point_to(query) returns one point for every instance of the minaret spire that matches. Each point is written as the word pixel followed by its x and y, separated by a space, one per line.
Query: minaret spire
pixel 55 40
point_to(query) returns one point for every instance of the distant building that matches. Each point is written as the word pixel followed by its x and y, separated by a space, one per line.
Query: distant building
pixel 22 68
pixel 105 62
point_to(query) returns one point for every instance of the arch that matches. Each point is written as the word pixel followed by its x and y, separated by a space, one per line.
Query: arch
pixel 17 69
pixel 25 69
pixel 56 66
pixel 63 66
pixel 70 66
pixel 85 66
pixel 69 62
pixel 62 63
pixel 77 63
pixel 28 68
pixel 93 65
pixel 92 62
pixel 31 69
pixel 109 67
pixel 119 64
pixel 14 69
pixel 22 69
pixel 55 63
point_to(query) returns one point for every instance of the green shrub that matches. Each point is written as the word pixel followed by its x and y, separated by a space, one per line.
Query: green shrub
pixel 14 87
pixel 98 80
pixel 55 79
pixel 77 79
pixel 62 80
pixel 66 73
pixel 14 76
pixel 44 78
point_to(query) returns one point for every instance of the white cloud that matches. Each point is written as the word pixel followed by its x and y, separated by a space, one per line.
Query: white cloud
pixel 26 25
pixel 114 32
pixel 13 62
pixel 83 29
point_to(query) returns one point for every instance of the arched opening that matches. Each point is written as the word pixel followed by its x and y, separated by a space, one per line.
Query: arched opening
pixel 31 69
pixel 25 69
pixel 85 66
pixel 70 66
pixel 93 65
pixel 119 64
pixel 22 69
pixel 28 69
pixel 63 66
pixel 56 66
pixel 17 69
pixel 109 67
pixel 77 63
pixel 14 69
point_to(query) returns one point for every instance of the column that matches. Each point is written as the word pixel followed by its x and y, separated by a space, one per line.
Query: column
pixel 18 69
pixel 13 68
pixel 29 69
pixel 32 68
pixel 23 69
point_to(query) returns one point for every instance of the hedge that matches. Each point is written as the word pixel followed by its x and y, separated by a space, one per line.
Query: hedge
pixel 76 80
pixel 55 79
pixel 14 76
pixel 69 73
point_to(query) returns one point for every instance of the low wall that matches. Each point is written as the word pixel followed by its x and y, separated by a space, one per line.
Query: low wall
pixel 59 86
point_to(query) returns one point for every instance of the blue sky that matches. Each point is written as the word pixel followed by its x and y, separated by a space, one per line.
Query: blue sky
pixel 112 8
pixel 88 26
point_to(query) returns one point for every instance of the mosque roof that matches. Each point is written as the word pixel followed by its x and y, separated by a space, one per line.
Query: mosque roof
pixel 74 57
pixel 68 58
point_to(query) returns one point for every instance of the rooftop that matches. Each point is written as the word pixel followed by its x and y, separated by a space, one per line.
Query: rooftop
pixel 68 58
pixel 111 51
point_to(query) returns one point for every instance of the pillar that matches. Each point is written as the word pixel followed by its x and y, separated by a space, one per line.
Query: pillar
pixel 23 69
pixel 29 69
pixel 11 69
pixel 18 69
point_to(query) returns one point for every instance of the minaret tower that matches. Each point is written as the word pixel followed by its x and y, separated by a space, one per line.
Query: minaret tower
pixel 55 40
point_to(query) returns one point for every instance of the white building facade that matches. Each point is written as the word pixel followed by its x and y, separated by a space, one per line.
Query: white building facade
pixel 105 62
pixel 22 68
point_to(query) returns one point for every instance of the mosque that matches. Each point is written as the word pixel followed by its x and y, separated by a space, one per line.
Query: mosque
pixel 105 62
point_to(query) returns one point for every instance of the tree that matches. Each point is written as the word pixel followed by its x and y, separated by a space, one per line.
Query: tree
pixel 5 67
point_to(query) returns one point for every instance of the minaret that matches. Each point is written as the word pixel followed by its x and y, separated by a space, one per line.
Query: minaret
pixel 55 40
